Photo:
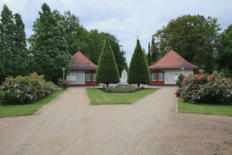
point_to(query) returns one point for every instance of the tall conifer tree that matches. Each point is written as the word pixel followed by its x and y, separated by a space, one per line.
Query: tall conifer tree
pixel 138 71
pixel 107 71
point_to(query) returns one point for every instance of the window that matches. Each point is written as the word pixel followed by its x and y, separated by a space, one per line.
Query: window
pixel 161 76
pixel 153 76
pixel 88 77
pixel 94 76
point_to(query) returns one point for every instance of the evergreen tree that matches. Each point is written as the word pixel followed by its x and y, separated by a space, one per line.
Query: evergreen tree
pixel 118 53
pixel 155 55
pixel 48 46
pixel 149 54
pixel 107 71
pixel 138 70
pixel 225 52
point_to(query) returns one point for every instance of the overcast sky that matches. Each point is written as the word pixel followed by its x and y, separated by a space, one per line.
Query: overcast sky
pixel 126 19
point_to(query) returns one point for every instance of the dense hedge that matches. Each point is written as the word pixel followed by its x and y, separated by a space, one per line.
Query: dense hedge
pixel 204 88
pixel 25 89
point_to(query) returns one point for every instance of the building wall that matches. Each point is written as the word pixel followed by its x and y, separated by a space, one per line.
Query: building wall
pixel 79 78
pixel 169 77
pixel 172 75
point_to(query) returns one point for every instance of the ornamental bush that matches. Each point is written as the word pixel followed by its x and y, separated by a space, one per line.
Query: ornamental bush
pixel 25 89
pixel 63 84
pixel 204 88
pixel 107 71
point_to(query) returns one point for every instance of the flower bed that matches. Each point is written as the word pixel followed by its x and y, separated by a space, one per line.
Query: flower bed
pixel 120 89
pixel 22 90
pixel 204 88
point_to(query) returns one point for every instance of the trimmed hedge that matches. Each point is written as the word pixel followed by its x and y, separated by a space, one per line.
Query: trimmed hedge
pixel 25 89
pixel 204 88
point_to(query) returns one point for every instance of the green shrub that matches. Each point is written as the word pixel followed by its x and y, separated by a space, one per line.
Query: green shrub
pixel 180 80
pixel 204 88
pixel 63 84
pixel 25 89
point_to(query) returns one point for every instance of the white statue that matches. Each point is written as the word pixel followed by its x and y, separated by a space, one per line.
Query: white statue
pixel 123 79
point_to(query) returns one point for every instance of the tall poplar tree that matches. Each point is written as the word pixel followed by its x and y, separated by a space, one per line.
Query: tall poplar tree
pixel 149 54
pixel 48 46
pixel 20 46
pixel 138 70
pixel 7 42
pixel 12 45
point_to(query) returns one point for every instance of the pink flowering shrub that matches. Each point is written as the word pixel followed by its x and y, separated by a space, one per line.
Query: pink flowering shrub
pixel 22 90
pixel 204 88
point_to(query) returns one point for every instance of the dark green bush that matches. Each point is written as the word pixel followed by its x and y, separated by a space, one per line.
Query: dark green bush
pixel 25 89
pixel 180 80
pixel 63 84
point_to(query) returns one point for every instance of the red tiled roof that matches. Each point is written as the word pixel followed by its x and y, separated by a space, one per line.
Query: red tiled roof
pixel 172 60
pixel 80 61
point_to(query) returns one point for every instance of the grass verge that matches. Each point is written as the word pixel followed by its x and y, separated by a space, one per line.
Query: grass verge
pixel 27 109
pixel 184 107
pixel 97 96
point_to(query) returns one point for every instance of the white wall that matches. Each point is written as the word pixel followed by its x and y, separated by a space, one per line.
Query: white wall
pixel 172 75
pixel 76 77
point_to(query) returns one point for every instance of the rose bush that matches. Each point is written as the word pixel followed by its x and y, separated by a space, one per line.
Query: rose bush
pixel 25 89
pixel 204 88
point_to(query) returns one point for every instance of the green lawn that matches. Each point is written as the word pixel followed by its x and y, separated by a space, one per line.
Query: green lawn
pixel 26 109
pixel 97 96
pixel 184 107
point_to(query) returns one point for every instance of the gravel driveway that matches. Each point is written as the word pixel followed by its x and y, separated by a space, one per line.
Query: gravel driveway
pixel 68 125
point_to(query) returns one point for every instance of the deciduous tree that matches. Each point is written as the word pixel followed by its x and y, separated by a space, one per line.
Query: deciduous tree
pixel 225 51
pixel 193 37
pixel 49 47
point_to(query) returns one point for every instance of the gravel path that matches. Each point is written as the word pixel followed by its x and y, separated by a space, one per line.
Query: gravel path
pixel 68 125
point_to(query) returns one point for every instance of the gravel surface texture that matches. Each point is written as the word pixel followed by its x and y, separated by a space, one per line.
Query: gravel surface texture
pixel 151 126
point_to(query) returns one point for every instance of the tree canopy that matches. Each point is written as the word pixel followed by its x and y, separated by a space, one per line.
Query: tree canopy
pixel 88 42
pixel 138 70
pixel 107 71
pixel 48 45
pixel 225 51
pixel 13 51
pixel 193 37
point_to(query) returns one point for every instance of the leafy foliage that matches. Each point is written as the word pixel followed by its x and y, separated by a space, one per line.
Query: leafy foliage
pixel 89 42
pixel 48 45
pixel 63 84
pixel 13 52
pixel 138 71
pixel 107 71
pixel 193 37
pixel 225 51
pixel 22 90
pixel 204 88
pixel 180 80
pixel 153 52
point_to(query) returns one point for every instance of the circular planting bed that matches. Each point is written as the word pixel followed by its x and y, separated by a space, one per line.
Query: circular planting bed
pixel 119 89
